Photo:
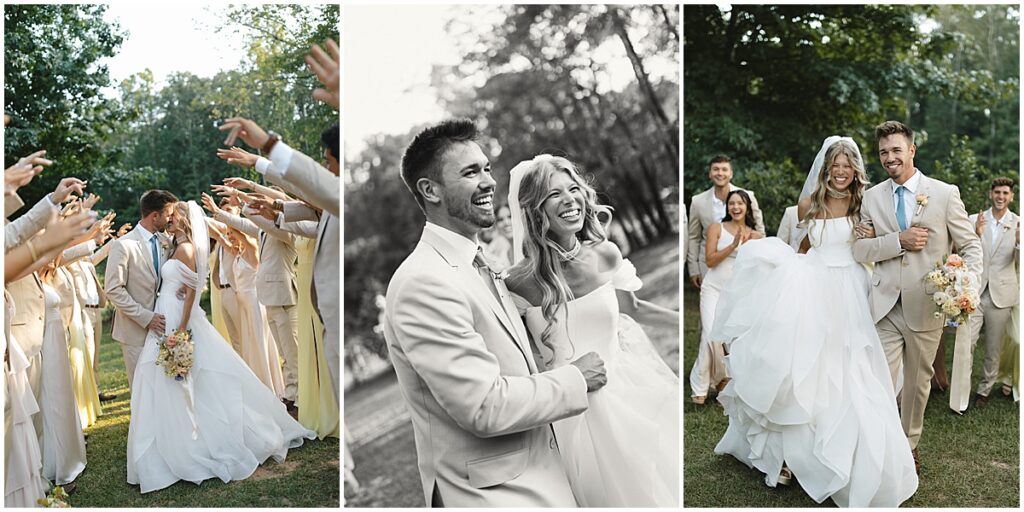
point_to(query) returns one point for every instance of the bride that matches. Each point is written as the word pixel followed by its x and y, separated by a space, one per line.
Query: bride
pixel 572 284
pixel 221 421
pixel 811 397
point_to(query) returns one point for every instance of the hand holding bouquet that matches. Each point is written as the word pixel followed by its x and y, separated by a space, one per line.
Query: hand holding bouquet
pixel 176 354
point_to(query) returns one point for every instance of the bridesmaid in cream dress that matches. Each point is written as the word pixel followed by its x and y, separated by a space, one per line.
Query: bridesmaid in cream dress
pixel 259 350
pixel 63 444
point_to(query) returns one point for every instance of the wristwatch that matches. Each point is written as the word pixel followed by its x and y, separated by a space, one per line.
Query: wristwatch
pixel 272 138
pixel 278 205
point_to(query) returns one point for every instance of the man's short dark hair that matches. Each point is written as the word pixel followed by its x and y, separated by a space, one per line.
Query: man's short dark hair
pixel 154 201
pixel 331 139
pixel 1002 181
pixel 720 159
pixel 892 128
pixel 422 156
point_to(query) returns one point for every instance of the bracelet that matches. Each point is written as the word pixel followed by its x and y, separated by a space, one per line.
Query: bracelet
pixel 32 250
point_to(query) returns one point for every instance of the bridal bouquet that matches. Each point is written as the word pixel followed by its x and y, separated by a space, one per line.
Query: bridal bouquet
pixel 57 498
pixel 957 297
pixel 176 354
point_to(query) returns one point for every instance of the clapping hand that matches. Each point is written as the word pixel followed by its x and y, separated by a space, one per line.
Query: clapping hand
pixel 327 70
pixel 249 131
pixel 237 156
pixel 19 174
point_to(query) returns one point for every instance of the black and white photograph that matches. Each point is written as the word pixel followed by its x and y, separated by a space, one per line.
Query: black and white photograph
pixel 512 256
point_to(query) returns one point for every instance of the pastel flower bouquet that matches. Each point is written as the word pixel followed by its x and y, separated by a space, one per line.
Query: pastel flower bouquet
pixel 176 354
pixel 957 295
pixel 57 498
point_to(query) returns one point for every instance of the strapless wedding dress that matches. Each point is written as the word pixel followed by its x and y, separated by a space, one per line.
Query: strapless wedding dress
pixel 810 384
pixel 623 451
pixel 238 421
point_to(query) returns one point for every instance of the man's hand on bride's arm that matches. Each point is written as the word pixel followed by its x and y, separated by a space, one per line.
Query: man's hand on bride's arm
pixel 592 367
pixel 864 230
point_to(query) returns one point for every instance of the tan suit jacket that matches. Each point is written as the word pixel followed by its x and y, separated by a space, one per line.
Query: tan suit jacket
pixel 131 284
pixel 480 411
pixel 702 216
pixel 1000 273
pixel 275 281
pixel 899 273
pixel 311 181
pixel 29 314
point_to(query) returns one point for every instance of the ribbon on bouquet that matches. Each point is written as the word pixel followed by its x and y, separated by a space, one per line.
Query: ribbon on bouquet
pixel 190 406
pixel 960 383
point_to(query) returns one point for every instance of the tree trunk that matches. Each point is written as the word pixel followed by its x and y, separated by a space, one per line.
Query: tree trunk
pixel 672 27
pixel 668 128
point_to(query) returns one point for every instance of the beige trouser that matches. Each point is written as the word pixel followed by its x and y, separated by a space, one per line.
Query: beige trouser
pixel 995 320
pixel 229 306
pixel 284 322
pixel 131 355
pixel 916 351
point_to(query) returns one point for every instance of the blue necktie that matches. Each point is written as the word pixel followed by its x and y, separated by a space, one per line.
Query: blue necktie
pixel 156 255
pixel 901 210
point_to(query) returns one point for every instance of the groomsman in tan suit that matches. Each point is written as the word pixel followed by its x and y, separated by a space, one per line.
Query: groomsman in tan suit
pixel 708 208
pixel 915 219
pixel 481 410
pixel 132 279
pixel 999 229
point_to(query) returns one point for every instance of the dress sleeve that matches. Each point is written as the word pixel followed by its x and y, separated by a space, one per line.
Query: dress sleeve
pixel 191 279
pixel 625 277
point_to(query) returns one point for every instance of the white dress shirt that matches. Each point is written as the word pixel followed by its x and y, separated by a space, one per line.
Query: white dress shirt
pixel 909 196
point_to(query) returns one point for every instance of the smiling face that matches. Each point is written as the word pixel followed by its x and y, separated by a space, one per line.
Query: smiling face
pixel 504 222
pixel 466 189
pixel 896 154
pixel 1001 198
pixel 720 173
pixel 564 206
pixel 736 207
pixel 841 173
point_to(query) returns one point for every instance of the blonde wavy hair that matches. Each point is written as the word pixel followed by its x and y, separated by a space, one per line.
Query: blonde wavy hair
pixel 824 186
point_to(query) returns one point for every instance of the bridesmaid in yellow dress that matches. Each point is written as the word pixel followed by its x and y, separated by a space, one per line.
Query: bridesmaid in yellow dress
pixel 87 393
pixel 318 407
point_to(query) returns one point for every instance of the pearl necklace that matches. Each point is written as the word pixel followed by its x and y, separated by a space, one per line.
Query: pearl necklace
pixel 571 254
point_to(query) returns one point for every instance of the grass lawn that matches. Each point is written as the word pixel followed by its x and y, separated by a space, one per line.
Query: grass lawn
pixel 968 461
pixel 307 478
pixel 383 446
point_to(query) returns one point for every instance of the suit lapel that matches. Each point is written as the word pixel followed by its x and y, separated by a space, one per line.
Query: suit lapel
pixel 480 291
pixel 1007 234
pixel 891 224
pixel 925 189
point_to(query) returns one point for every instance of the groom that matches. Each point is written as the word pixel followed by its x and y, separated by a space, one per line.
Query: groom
pixel 481 410
pixel 914 218
pixel 132 278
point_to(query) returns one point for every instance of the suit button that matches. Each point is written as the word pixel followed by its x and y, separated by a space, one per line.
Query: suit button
pixel 552 443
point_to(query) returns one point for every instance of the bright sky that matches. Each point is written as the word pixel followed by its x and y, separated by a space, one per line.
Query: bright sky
pixel 389 53
pixel 167 38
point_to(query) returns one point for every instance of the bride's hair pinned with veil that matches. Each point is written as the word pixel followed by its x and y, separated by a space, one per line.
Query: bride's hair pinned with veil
pixel 823 187
pixel 530 182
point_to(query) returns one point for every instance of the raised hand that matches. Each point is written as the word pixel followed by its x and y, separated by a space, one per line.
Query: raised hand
pixel 327 70
pixel 21 173
pixel 249 131
pixel 239 183
pixel 225 191
pixel 237 156
pixel 979 224
pixel 65 188
pixel 90 201
pixel 263 206
pixel 62 230
pixel 209 204
pixel 127 226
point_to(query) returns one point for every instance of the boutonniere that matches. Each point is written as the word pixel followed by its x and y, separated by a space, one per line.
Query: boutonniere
pixel 164 244
pixel 498 276
pixel 922 201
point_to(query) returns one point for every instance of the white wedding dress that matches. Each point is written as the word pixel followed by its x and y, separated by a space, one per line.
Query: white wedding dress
pixel 810 384
pixel 232 423
pixel 623 451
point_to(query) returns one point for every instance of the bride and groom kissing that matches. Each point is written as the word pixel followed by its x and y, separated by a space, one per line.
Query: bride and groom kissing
pixel 221 420
pixel 818 346
pixel 572 408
